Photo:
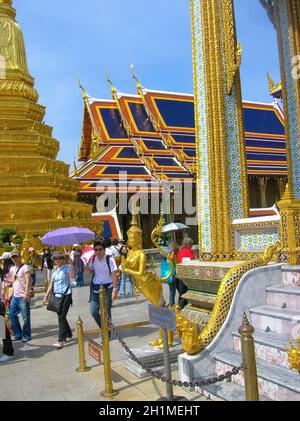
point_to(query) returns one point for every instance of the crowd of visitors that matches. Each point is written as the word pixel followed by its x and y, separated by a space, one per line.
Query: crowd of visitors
pixel 57 270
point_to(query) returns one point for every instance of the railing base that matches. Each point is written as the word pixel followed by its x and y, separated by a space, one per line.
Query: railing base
pixel 83 370
pixel 109 395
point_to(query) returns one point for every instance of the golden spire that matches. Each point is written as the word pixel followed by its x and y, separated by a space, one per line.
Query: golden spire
pixel 75 168
pixel 12 46
pixel 24 139
pixel 6 2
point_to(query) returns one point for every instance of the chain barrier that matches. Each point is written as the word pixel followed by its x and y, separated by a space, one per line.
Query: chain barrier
pixel 156 388
pixel 192 384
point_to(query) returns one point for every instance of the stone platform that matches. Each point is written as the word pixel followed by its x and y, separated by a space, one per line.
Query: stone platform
pixel 153 358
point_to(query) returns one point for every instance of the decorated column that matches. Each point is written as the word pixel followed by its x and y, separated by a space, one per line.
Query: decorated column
pixel 222 177
pixel 285 15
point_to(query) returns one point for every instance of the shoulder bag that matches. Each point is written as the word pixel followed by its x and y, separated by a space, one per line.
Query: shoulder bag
pixel 56 300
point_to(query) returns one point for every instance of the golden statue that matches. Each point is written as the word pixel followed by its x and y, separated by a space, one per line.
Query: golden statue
pixel 148 283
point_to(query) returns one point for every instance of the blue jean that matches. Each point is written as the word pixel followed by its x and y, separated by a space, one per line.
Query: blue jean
pixel 33 279
pixel 172 290
pixel 79 279
pixel 19 305
pixel 123 284
pixel 95 305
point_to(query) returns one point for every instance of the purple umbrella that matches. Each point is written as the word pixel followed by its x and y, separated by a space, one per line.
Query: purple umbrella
pixel 67 236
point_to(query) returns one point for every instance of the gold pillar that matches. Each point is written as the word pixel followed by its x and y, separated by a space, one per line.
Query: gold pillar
pixel 249 363
pixel 109 391
pixel 80 337
pixel 219 126
pixel 286 18
pixel 293 7
pixel 290 226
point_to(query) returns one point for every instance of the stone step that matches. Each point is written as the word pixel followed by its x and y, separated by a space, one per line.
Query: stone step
pixel 200 299
pixel 203 285
pixel 278 383
pixel 194 315
pixel 269 346
pixel 284 296
pixel 276 320
pixel 226 391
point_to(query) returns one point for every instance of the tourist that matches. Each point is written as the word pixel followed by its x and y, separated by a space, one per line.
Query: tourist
pixel 124 276
pixel 47 266
pixel 185 254
pixel 165 269
pixel 19 277
pixel 33 263
pixel 75 256
pixel 116 250
pixel 60 285
pixel 8 349
pixel 104 270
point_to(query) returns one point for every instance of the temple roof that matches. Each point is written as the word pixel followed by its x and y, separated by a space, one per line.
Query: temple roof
pixel 151 136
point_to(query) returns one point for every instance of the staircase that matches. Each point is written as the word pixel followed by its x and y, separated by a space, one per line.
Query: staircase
pixel 275 322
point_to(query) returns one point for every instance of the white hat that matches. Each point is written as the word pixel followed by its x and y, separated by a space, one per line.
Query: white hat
pixel 5 256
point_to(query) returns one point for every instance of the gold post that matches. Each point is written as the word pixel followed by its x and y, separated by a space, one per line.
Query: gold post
pixel 249 362
pixel 82 363
pixel 108 392
pixel 289 226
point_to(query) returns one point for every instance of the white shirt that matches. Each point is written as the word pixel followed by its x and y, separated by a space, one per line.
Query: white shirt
pixel 114 251
pixel 101 270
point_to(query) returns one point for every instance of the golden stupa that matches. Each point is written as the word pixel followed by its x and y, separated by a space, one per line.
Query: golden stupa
pixel 36 192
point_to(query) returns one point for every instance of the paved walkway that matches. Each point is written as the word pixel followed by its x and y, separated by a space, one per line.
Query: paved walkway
pixel 39 372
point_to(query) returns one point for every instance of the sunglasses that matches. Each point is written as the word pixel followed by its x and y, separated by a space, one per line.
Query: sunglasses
pixel 99 249
pixel 58 258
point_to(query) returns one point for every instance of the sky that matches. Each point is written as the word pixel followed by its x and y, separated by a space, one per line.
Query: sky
pixel 68 38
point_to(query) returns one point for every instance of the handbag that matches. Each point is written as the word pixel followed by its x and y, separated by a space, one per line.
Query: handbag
pixel 56 301
pixel 2 308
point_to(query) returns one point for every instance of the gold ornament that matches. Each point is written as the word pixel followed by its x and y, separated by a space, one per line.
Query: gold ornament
pixel 294 356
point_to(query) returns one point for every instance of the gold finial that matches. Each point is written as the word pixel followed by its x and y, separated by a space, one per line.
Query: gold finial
pixel 138 85
pixel 84 94
pixel 75 167
pixel 246 330
pixel 112 87
pixel 245 320
pixel 288 194
pixel 135 233
pixel 9 2
pixel 272 85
